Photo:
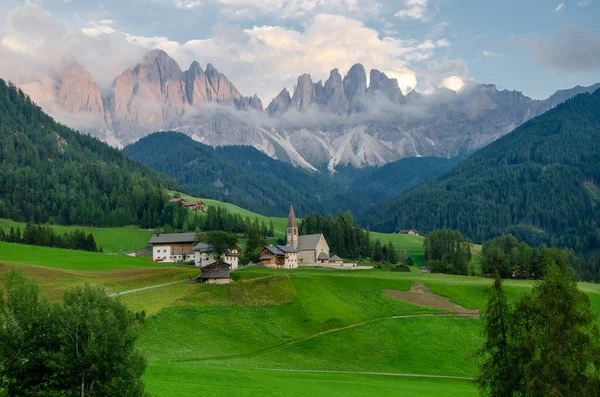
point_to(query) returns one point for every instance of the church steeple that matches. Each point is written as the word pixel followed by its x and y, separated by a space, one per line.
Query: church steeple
pixel 292 229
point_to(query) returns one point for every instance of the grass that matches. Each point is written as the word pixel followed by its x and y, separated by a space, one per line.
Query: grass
pixel 112 239
pixel 53 282
pixel 187 380
pixel 70 259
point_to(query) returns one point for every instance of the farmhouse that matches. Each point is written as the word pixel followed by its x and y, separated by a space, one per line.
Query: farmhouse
pixel 408 231
pixel 218 272
pixel 190 205
pixel 279 257
pixel 312 248
pixel 173 247
pixel 204 256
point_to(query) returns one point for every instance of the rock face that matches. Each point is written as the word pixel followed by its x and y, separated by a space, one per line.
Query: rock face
pixel 77 91
pixel 148 97
pixel 304 93
pixel 345 122
pixel 355 87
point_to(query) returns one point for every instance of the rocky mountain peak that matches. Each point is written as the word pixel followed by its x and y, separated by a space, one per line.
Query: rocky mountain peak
pixel 333 98
pixel 224 91
pixel 355 87
pixel 304 93
pixel 159 67
pixel 280 104
pixel 77 91
pixel 383 84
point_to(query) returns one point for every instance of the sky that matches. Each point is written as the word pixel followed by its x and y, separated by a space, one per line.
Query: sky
pixel 533 46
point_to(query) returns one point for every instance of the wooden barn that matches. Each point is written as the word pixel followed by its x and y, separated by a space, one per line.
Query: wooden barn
pixel 218 272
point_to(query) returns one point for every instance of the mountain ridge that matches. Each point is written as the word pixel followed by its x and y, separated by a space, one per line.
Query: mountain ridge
pixel 344 121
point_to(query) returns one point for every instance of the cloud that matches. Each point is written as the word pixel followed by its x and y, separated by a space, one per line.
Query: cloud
pixel 286 9
pixel 415 9
pixel 571 51
pixel 583 3
pixel 491 54
pixel 36 44
pixel 264 59
pixel 559 7
pixel 187 4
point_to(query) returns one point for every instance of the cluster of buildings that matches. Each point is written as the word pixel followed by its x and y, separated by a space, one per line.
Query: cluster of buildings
pixel 190 205
pixel 299 250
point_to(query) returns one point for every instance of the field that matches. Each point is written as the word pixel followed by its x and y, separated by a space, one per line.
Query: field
pixel 113 240
pixel 302 332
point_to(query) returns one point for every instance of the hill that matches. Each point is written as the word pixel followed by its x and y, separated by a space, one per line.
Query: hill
pixel 49 172
pixel 248 178
pixel 240 175
pixel 538 183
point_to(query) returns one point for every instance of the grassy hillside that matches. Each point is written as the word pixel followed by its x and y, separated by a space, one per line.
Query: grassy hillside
pixel 317 320
pixel 113 240
pixel 69 259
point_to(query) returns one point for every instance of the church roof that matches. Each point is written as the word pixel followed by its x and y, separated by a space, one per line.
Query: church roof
pixel 309 242
pixel 292 222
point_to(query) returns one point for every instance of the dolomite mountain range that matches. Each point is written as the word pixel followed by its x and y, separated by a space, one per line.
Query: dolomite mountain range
pixel 342 122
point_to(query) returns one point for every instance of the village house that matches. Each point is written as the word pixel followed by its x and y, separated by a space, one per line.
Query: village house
pixel 204 256
pixel 190 205
pixel 172 247
pixel 279 257
pixel 408 231
pixel 218 272
pixel 312 249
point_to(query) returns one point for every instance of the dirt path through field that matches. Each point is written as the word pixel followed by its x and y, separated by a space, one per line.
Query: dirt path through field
pixel 420 295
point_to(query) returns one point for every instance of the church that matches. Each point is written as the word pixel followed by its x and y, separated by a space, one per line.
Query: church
pixel 312 249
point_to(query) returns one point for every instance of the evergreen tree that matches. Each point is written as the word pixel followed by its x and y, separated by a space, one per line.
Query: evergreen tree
pixel 498 373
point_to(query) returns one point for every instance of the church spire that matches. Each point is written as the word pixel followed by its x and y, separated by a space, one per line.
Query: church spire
pixel 292 229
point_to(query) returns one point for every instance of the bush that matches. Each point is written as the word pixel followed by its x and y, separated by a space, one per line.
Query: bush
pixel 401 268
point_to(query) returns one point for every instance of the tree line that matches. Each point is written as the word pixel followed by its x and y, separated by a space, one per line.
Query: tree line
pixel 448 251
pixel 346 239
pixel 175 217
pixel 46 236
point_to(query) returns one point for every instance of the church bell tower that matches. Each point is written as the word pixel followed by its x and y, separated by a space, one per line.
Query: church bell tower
pixel 292 229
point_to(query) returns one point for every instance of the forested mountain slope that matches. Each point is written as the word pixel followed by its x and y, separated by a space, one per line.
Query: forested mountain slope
pixel 237 174
pixel 244 176
pixel 538 182
pixel 50 173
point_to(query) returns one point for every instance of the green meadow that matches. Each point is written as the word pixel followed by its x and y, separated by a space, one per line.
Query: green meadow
pixel 113 240
pixel 302 332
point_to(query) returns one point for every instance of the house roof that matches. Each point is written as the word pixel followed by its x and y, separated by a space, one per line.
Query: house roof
pixel 214 264
pixel 308 242
pixel 202 247
pixel 265 257
pixel 280 250
pixel 323 256
pixel 173 238
pixel 336 258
